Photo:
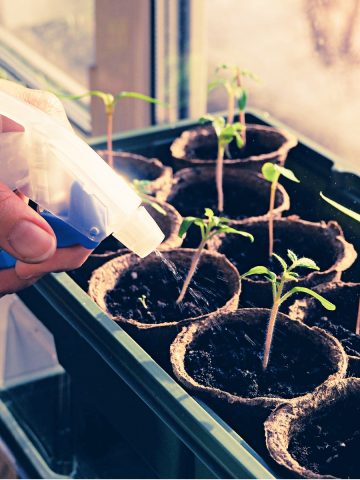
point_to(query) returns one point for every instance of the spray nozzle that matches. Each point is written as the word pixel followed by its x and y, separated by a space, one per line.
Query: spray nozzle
pixel 64 176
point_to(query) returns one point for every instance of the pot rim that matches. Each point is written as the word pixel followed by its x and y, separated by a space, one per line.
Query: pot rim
pixel 192 176
pixel 190 332
pixel 345 258
pixel 298 309
pixel 132 258
pixel 289 141
pixel 161 184
pixel 278 426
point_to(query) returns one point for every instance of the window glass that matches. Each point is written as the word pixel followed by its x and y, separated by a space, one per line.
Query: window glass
pixel 307 54
pixel 61 33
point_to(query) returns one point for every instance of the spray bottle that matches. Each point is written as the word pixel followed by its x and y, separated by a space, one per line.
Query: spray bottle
pixel 79 195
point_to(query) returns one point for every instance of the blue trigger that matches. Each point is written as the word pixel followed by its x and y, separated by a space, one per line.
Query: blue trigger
pixel 66 235
pixel 81 205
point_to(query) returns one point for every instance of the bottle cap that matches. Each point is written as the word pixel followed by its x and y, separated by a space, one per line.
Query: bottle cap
pixel 140 234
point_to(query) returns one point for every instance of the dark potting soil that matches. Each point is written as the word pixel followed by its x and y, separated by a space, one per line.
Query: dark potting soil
pixel 329 442
pixel 304 242
pixel 161 287
pixel 341 322
pixel 229 357
pixel 239 202
pixel 208 151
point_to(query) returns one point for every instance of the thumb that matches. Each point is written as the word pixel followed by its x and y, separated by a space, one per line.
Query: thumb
pixel 23 233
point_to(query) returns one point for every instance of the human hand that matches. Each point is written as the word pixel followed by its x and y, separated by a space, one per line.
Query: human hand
pixel 24 234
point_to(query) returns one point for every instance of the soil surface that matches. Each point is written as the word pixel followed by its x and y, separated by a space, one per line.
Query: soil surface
pixel 239 202
pixel 229 358
pixel 340 322
pixel 303 241
pixel 161 287
pixel 329 443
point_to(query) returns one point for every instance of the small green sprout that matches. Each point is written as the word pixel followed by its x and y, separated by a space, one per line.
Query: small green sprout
pixel 141 187
pixel 225 133
pixel 210 226
pixel 277 285
pixel 236 92
pixel 110 101
pixel 143 301
pixel 272 173
pixel 356 216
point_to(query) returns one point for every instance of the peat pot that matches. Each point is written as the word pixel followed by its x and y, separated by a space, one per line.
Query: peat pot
pixel 340 322
pixel 197 147
pixel 246 194
pixel 319 437
pixel 111 248
pixel 320 241
pixel 119 285
pixel 220 359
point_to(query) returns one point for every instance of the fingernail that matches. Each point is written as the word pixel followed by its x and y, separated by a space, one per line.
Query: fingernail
pixel 30 242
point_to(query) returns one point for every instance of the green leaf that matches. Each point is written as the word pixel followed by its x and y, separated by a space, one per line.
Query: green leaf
pixel 227 229
pixel 269 172
pixel 139 96
pixel 293 257
pixel 281 261
pixel 185 225
pixel 141 186
pixel 107 98
pixel 305 263
pixel 218 123
pixel 325 303
pixel 155 206
pixel 249 74
pixel 259 270
pixel 225 220
pixel 223 66
pixel 287 173
pixel 216 83
pixel 242 100
pixel 226 135
pixel 238 126
pixel 239 140
pixel 350 213
pixel 291 276
pixel 207 118
pixel 209 213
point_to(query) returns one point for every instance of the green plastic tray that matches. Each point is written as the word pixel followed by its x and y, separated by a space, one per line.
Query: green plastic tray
pixel 172 432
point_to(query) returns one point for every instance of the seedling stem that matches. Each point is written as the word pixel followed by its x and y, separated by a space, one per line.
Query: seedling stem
pixel 288 274
pixel 272 174
pixel 210 226
pixel 110 102
pixel 225 133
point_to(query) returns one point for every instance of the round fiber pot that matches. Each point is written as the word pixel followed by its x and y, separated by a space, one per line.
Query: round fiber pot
pixel 133 166
pixel 341 322
pixel 111 248
pixel 118 285
pixel 198 148
pixel 322 242
pixel 220 359
pixel 319 437
pixel 246 194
